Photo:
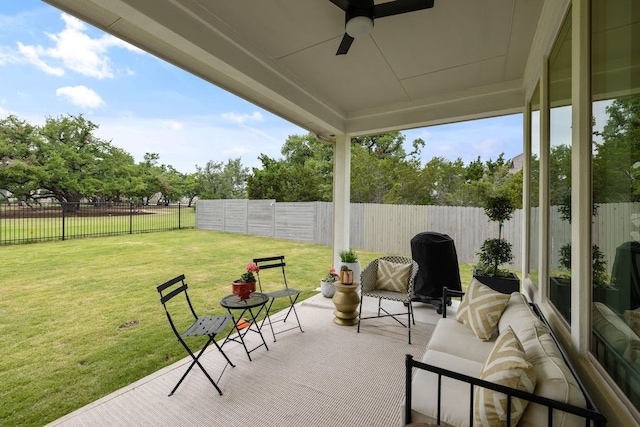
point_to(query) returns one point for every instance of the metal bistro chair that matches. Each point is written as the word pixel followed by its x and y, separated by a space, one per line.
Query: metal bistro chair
pixel 397 286
pixel 277 262
pixel 209 326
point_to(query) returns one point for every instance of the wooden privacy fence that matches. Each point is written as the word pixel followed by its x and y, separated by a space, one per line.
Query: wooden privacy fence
pixel 374 227
pixel 389 228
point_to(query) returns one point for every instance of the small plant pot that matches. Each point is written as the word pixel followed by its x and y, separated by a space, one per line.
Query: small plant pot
pixel 328 289
pixel 346 277
pixel 243 289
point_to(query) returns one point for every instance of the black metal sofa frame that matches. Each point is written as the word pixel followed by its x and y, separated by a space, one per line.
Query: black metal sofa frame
pixel 591 414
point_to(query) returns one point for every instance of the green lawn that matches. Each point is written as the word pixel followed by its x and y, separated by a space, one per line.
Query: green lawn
pixel 64 305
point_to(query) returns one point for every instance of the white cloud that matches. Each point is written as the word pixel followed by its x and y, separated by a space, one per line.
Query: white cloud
pixel 241 119
pixel 173 125
pixel 81 96
pixel 33 54
pixel 74 50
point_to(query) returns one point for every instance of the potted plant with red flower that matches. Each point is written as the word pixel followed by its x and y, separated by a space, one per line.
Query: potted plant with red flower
pixel 327 285
pixel 244 286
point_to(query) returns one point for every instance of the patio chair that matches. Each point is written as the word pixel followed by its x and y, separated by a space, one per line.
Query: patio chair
pixel 390 278
pixel 277 288
pixel 209 326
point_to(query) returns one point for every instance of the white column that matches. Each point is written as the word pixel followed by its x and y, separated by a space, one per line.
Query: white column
pixel 341 195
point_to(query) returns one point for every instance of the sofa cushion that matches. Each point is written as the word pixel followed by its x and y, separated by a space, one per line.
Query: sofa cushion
pixel 451 336
pixel 506 365
pixel 554 379
pixel 632 317
pixel 393 276
pixel 611 327
pixel 517 314
pixel 481 308
pixel 455 398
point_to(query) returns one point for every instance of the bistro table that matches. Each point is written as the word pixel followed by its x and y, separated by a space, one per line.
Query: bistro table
pixel 233 303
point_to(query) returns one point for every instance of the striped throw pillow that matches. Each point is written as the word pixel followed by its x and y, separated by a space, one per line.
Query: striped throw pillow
pixel 481 309
pixel 393 276
pixel 507 365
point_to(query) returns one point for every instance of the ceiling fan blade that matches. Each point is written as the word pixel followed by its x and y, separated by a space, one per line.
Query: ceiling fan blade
pixel 345 44
pixel 400 6
pixel 342 4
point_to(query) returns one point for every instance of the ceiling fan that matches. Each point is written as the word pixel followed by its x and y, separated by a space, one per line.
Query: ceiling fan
pixel 359 16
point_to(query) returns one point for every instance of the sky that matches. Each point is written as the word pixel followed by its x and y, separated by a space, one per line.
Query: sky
pixel 52 64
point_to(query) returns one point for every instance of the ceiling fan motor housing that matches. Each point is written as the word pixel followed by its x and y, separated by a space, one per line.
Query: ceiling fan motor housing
pixel 359 17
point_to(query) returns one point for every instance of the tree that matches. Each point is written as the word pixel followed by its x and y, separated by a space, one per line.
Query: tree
pixel 304 174
pixel 616 162
pixel 382 171
pixel 18 171
pixel 222 181
pixel 190 186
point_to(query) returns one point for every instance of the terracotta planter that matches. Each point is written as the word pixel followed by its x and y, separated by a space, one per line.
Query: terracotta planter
pixel 243 289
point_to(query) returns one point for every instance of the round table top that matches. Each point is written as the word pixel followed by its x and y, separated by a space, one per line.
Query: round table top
pixel 232 301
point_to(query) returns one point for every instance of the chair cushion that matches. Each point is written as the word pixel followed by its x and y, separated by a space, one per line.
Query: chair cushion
pixel 393 276
pixel 481 308
pixel 507 365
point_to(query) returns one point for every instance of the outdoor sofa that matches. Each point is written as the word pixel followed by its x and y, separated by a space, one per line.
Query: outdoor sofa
pixel 454 385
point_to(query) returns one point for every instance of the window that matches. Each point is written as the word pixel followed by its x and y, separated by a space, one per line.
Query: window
pixel 534 195
pixel 560 171
pixel 615 68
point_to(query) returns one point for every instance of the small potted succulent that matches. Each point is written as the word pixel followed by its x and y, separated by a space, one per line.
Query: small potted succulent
pixel 349 259
pixel 246 284
pixel 327 285
pixel 346 275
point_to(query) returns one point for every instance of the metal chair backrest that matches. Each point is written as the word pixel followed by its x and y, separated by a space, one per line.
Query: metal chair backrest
pixel 271 262
pixel 170 289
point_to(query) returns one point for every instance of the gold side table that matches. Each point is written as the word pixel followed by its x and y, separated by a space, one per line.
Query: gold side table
pixel 346 300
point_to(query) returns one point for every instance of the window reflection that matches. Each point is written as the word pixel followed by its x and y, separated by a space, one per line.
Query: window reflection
pixel 560 171
pixel 616 192
pixel 534 195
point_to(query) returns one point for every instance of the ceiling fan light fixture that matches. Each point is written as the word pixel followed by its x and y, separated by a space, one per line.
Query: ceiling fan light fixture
pixel 359 26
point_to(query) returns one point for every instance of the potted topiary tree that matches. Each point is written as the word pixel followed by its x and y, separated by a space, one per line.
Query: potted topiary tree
pixel 496 252
pixel 560 290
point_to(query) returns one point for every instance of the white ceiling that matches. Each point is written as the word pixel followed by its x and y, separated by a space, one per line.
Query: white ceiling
pixel 461 59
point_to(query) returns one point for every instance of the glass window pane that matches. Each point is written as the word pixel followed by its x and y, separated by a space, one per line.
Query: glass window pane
pixel 560 171
pixel 534 195
pixel 615 61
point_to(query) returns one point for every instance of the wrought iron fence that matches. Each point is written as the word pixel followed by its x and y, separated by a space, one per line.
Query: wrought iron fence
pixel 35 222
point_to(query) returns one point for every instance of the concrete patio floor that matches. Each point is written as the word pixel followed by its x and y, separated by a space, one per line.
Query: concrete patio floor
pixel 329 375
